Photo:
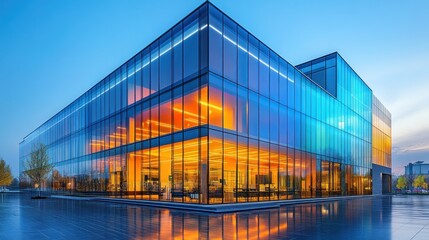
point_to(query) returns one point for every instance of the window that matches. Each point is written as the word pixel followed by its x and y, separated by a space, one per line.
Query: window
pixel 274 77
pixel 165 161
pixel 274 171
pixel 264 77
pixel 215 101
pixel 242 111
pixel 298 91
pixel 253 64
pixel 177 185
pixel 215 39
pixel 191 45
pixel 242 171
pixel 152 185
pixel 138 79
pixel 253 191
pixel 331 60
pixel 177 53
pixel 230 106
pixel 215 167
pixel 291 127
pixel 145 132
pixel 283 173
pixel 177 109
pixel 253 115
pixel 274 122
pixel 154 118
pixel 130 130
pixel 203 101
pixel 319 78
pixel 283 82
pixel 290 87
pixel 191 174
pixel 146 74
pixel 263 179
pixel 283 125
pixel 130 82
pixel 165 122
pixel 230 167
pixel 122 88
pixel 264 118
pixel 298 130
pixel 297 174
pixel 154 71
pixel 165 61
pixel 190 103
pixel 230 50
pixel 138 123
pixel 243 58
pixel 331 80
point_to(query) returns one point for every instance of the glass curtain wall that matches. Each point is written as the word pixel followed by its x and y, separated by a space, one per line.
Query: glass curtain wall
pixel 140 132
pixel 209 114
pixel 284 135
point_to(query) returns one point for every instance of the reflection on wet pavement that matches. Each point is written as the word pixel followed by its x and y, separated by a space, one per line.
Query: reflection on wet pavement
pixel 397 217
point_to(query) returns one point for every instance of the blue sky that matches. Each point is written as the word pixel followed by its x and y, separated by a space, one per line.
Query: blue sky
pixel 53 51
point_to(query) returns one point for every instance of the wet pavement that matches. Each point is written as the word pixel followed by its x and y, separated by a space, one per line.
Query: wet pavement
pixel 396 217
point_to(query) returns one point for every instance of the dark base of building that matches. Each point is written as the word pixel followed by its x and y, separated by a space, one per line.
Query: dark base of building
pixel 213 208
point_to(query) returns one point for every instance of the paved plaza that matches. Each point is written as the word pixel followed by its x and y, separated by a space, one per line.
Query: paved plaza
pixel 396 217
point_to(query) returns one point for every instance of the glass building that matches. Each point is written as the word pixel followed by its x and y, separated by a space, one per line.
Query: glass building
pixel 209 114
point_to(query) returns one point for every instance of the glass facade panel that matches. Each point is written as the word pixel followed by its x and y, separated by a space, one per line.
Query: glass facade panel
pixel 190 105
pixel 230 49
pixel 243 57
pixel 208 114
pixel 230 106
pixel 215 101
pixel 264 118
pixel 190 46
pixel 215 167
pixel 177 53
pixel 242 190
pixel 230 168
pixel 165 61
pixel 253 64
pixel 242 111
pixel 264 70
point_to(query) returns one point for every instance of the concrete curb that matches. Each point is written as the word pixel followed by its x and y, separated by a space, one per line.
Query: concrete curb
pixel 226 208
pixel 74 198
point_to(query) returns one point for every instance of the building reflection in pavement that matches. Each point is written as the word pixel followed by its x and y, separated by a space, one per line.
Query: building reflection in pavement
pixel 337 219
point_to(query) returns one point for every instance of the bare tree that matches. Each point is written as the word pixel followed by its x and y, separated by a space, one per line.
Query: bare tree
pixel 38 166
pixel 5 174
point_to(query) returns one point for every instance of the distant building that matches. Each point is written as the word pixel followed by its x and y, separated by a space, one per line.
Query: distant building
pixel 417 168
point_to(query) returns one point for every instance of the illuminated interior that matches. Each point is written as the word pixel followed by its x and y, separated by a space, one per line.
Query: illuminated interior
pixel 172 116
pixel 237 171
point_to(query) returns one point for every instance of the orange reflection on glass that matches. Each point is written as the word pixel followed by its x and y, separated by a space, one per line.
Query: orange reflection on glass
pixel 229 111
pixel 161 119
pixel 190 109
pixel 215 111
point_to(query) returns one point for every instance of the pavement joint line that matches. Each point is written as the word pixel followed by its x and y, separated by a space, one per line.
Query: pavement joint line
pixel 419 231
